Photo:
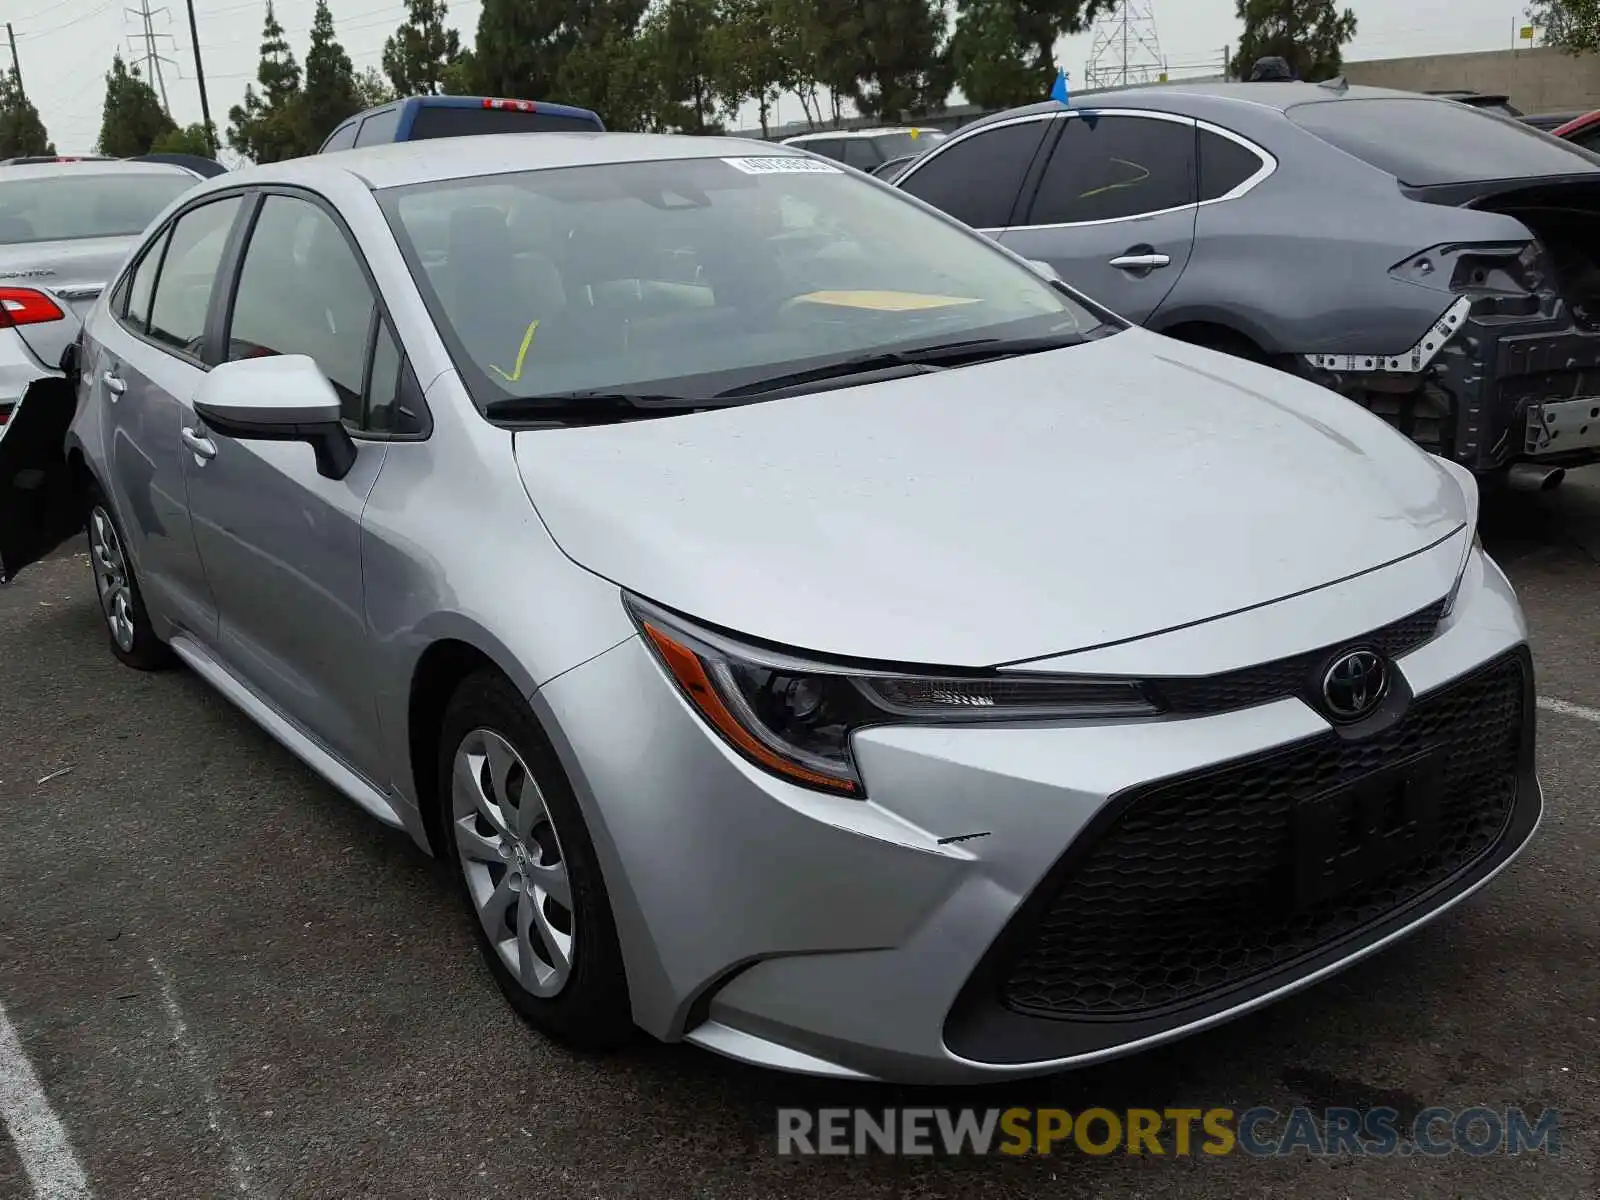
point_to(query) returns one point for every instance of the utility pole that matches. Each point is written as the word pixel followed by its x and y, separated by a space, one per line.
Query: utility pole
pixel 16 66
pixel 200 78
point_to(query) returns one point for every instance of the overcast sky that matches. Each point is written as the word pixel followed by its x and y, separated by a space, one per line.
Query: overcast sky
pixel 66 47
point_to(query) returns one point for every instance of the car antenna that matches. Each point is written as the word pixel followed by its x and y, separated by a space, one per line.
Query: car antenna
pixel 1337 84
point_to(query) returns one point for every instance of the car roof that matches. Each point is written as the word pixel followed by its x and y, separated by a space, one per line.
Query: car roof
pixel 109 166
pixel 397 164
pixel 1212 99
pixel 860 133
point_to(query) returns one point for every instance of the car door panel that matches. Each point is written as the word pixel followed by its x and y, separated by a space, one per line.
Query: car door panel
pixel 144 458
pixel 142 366
pixel 280 543
pixel 1114 208
pixel 283 545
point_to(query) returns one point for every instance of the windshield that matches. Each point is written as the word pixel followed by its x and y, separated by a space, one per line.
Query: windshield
pixel 1424 143
pixel 893 145
pixel 59 208
pixel 693 276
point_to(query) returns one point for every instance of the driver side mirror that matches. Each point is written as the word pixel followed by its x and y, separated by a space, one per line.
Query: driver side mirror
pixel 281 398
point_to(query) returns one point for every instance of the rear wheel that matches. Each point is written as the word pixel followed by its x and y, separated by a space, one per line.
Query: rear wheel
pixel 528 869
pixel 133 640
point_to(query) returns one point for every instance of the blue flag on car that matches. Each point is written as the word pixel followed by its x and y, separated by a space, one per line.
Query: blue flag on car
pixel 1059 92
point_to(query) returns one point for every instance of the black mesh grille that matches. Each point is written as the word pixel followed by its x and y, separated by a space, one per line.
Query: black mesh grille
pixel 1190 889
pixel 1288 676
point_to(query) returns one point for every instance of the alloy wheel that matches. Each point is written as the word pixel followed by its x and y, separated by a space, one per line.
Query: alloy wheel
pixel 511 857
pixel 111 579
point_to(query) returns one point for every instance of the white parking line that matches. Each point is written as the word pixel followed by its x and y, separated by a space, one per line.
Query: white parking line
pixel 1566 708
pixel 35 1130
pixel 238 1165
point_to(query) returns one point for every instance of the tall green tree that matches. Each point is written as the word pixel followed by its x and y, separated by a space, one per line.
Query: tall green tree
pixel 330 93
pixel 372 89
pixel 1574 25
pixel 1309 34
pixel 683 54
pixel 191 139
pixel 754 46
pixel 267 126
pixel 828 47
pixel 21 130
pixel 903 42
pixel 132 118
pixel 416 58
pixel 520 47
pixel 1002 52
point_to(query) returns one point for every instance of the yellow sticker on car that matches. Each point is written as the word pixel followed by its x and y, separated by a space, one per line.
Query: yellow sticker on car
pixel 884 301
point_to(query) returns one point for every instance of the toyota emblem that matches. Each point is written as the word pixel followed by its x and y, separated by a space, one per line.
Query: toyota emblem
pixel 1355 684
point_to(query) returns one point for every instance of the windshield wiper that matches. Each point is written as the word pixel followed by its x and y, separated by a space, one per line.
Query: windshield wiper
pixel 937 357
pixel 593 407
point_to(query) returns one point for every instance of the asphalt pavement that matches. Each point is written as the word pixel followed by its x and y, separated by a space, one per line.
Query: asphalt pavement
pixel 218 978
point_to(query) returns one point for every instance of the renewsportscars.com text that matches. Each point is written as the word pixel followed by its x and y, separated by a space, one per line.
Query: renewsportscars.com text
pixel 1174 1132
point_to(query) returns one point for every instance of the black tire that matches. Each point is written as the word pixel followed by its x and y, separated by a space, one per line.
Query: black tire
pixel 591 1012
pixel 145 651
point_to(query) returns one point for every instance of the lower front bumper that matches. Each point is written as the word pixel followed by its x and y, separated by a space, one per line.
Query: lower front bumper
pixel 839 937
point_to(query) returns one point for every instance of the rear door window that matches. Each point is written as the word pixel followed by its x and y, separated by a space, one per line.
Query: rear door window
pixel 141 287
pixel 978 178
pixel 1424 143
pixel 1105 168
pixel 188 275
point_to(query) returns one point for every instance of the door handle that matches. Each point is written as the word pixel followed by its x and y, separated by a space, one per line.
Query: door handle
pixel 114 384
pixel 1140 262
pixel 203 447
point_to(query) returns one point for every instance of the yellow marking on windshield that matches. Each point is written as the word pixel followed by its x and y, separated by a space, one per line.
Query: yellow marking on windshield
pixel 522 353
pixel 1114 187
pixel 885 301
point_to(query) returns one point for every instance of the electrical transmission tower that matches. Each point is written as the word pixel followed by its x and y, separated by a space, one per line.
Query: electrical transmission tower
pixel 143 46
pixel 1125 49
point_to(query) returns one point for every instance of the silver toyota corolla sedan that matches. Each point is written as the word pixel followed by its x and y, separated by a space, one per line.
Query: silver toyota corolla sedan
pixel 807 631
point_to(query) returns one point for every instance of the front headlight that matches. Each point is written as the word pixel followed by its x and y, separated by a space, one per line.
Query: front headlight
pixel 793 716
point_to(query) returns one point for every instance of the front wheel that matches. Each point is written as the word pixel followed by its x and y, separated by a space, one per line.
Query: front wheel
pixel 528 869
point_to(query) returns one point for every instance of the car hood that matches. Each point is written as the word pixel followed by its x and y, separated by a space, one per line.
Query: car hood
pixel 1031 506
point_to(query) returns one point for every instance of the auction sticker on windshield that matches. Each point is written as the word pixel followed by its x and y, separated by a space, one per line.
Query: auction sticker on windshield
pixel 784 165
